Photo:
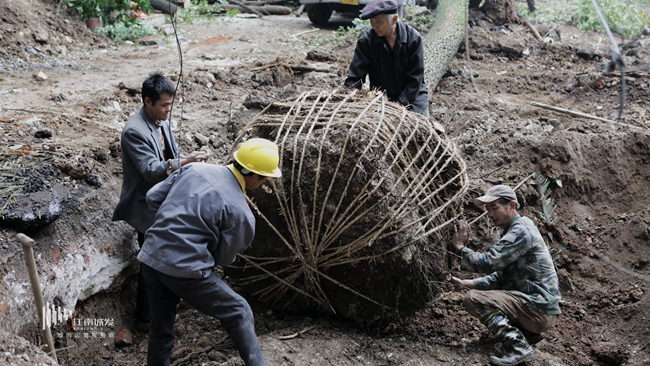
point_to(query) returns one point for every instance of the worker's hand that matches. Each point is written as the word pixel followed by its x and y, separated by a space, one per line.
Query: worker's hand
pixel 456 284
pixel 460 235
pixel 196 157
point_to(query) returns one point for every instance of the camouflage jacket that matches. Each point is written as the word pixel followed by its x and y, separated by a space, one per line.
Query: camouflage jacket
pixel 519 263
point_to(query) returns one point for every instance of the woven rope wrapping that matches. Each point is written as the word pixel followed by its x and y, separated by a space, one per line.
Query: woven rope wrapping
pixel 350 161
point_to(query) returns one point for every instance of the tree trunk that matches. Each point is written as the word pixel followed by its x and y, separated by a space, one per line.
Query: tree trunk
pixel 443 40
pixel 164 6
pixel 265 10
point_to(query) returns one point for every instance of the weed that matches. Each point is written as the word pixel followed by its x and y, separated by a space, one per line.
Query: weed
pixel 124 31
pixel 547 215
pixel 625 17
pixel 341 35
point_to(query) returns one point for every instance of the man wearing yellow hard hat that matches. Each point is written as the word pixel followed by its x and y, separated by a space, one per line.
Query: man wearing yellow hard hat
pixel 203 220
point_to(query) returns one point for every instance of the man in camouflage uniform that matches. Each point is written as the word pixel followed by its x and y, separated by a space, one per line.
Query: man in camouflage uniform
pixel 519 298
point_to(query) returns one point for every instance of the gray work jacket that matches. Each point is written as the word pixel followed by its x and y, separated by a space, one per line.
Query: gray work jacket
pixel 202 219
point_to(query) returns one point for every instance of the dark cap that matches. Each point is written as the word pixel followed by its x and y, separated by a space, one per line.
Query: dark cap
pixel 376 7
pixel 495 193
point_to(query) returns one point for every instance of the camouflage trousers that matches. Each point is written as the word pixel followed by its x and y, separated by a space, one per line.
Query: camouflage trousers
pixel 479 303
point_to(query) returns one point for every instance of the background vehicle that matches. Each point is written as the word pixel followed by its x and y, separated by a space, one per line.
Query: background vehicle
pixel 320 11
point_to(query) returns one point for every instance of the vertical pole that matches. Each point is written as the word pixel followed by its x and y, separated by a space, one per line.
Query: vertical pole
pixel 28 245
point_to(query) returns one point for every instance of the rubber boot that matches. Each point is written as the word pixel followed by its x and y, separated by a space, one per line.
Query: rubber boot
pixel 517 349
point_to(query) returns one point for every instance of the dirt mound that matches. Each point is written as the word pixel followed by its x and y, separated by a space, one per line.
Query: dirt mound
pixel 40 32
pixel 368 189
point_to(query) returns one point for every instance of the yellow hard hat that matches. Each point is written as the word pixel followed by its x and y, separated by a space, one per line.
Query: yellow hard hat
pixel 259 156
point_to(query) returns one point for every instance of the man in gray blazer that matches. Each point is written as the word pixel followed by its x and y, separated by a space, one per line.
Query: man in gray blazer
pixel 149 155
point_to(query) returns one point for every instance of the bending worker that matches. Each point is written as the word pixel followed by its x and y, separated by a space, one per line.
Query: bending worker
pixel 519 298
pixel 203 220
pixel 392 56
pixel 149 155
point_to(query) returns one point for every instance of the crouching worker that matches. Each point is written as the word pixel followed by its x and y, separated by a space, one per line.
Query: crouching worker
pixel 203 220
pixel 519 298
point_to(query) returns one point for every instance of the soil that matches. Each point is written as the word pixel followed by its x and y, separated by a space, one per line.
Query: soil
pixel 233 66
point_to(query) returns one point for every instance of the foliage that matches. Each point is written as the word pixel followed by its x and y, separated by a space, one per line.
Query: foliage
pixel 343 34
pixel 622 17
pixel 547 215
pixel 625 17
pixel 123 31
pixel 201 9
pixel 109 11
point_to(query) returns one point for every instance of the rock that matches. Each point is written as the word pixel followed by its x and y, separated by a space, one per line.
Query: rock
pixel 201 140
pixel 255 101
pixel 115 149
pixel 245 38
pixel 587 54
pixel 151 41
pixel 132 90
pixel 320 56
pixel 514 47
pixel 40 76
pixel 123 338
pixel 32 211
pixel 41 36
pixel 43 134
pixel 94 180
pixel 61 50
pixel 31 50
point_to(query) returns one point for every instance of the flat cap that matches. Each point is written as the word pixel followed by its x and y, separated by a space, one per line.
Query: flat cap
pixel 376 7
pixel 496 192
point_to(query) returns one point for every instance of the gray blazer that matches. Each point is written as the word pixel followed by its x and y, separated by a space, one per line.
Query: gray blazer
pixel 143 166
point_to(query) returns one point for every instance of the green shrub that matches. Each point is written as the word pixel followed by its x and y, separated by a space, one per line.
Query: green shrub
pixel 126 31
pixel 623 17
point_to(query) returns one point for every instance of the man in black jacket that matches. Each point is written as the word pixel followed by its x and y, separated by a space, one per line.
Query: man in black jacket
pixel 392 55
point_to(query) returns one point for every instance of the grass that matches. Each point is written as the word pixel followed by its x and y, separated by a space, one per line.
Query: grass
pixel 624 17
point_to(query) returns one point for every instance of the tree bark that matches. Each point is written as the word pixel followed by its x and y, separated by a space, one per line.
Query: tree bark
pixel 164 6
pixel 443 40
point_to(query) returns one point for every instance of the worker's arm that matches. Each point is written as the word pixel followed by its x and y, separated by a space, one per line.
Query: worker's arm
pixel 414 72
pixel 359 65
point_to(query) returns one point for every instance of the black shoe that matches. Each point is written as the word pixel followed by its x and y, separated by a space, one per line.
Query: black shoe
pixel 143 326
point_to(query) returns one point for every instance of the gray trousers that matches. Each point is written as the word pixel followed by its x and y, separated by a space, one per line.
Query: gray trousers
pixel 211 296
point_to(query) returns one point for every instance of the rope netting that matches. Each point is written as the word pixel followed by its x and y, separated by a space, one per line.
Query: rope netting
pixel 366 184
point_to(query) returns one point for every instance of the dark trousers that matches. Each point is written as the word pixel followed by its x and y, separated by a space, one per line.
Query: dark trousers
pixel 211 296
pixel 141 299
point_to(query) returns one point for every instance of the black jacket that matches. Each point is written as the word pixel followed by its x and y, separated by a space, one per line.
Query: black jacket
pixel 401 76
